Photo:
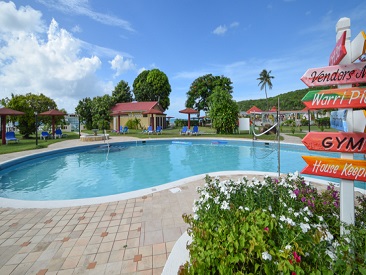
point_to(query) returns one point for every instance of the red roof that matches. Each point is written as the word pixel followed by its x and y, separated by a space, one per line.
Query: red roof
pixel 136 107
pixel 254 109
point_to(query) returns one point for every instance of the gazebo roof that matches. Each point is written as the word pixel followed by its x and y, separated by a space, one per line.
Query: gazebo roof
pixel 188 111
pixel 52 112
pixel 10 112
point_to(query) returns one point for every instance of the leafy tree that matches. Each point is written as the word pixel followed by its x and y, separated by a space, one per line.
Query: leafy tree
pixel 122 93
pixel 264 81
pixel 201 89
pixel 152 85
pixel 101 111
pixel 224 111
pixel 29 104
pixel 84 111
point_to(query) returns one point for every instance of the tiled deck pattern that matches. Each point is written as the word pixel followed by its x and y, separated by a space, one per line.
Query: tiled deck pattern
pixel 124 237
pixel 132 236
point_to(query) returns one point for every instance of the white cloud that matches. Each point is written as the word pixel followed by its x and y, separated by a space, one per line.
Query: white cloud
pixel 81 7
pixel 45 62
pixel 76 29
pixel 220 30
pixel 121 65
pixel 234 25
pixel 24 19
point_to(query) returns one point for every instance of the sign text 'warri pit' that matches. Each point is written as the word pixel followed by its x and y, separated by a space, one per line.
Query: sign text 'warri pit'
pixel 336 142
pixel 354 97
pixel 335 75
pixel 348 169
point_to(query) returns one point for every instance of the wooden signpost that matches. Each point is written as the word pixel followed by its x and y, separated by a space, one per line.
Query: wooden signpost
pixel 348 169
pixel 344 75
pixel 335 75
pixel 336 142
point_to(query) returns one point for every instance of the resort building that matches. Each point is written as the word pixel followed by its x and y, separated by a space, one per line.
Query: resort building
pixel 150 113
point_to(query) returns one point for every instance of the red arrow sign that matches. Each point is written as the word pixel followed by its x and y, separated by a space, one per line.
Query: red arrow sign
pixel 336 142
pixel 335 75
pixel 348 169
pixel 336 98
pixel 339 51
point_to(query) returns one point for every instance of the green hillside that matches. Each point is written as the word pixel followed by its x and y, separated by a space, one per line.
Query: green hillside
pixel 288 101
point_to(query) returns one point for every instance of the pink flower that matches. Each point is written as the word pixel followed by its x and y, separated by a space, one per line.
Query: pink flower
pixel 297 257
pixel 266 229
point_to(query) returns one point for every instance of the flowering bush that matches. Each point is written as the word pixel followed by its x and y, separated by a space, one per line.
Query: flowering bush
pixel 274 226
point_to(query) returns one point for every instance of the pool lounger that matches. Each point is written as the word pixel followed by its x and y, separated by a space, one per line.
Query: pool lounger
pixel 182 142
pixel 219 142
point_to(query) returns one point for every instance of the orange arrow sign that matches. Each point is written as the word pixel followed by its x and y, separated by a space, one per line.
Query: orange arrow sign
pixel 348 169
pixel 334 75
pixel 336 142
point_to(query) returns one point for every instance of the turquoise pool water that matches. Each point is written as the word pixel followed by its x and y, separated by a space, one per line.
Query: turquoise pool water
pixel 95 171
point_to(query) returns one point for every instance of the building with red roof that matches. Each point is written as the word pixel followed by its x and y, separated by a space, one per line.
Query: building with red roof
pixel 150 113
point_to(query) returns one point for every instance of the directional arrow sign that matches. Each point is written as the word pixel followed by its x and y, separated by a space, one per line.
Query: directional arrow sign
pixel 358 46
pixel 339 51
pixel 348 169
pixel 336 98
pixel 336 142
pixel 335 75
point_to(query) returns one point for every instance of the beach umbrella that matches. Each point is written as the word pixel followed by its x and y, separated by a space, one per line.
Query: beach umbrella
pixel 53 113
pixel 189 111
pixel 3 113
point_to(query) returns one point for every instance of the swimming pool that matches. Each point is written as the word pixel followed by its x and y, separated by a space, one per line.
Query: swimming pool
pixel 95 170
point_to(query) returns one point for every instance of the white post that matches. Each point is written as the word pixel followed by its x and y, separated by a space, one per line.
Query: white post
pixel 347 205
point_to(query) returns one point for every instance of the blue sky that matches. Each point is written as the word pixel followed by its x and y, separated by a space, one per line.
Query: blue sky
pixel 72 49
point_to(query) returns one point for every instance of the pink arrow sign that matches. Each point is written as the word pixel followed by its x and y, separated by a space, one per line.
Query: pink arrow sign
pixel 339 51
pixel 335 75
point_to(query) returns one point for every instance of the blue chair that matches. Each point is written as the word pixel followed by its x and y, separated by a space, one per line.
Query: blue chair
pixel 159 130
pixel 120 129
pixel 45 135
pixel 150 130
pixel 195 130
pixel 58 133
pixel 10 136
pixel 184 130
pixel 125 130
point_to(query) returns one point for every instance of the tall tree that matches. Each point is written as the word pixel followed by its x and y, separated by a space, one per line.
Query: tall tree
pixel 223 112
pixel 202 88
pixel 122 93
pixel 30 104
pixel 152 85
pixel 101 111
pixel 264 81
pixel 84 111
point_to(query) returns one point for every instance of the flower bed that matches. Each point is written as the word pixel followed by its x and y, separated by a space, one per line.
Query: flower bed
pixel 272 226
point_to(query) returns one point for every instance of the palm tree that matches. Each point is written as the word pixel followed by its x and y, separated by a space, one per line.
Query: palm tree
pixel 264 80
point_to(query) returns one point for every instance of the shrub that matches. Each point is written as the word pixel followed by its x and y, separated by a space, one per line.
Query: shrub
pixel 272 226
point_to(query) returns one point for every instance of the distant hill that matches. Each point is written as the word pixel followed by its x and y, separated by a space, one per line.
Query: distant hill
pixel 288 102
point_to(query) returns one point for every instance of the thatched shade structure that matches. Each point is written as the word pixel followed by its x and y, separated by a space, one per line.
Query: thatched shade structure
pixel 189 111
pixel 3 113
pixel 53 113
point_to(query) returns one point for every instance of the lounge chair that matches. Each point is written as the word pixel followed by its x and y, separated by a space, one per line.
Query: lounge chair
pixel 45 135
pixel 184 130
pixel 10 136
pixel 159 130
pixel 120 130
pixel 150 130
pixel 125 130
pixel 195 130
pixel 58 133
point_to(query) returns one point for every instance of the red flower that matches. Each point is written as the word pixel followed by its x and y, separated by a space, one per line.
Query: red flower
pixel 297 257
pixel 266 229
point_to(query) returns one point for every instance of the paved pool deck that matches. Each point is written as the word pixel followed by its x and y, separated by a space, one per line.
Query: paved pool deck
pixel 130 236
